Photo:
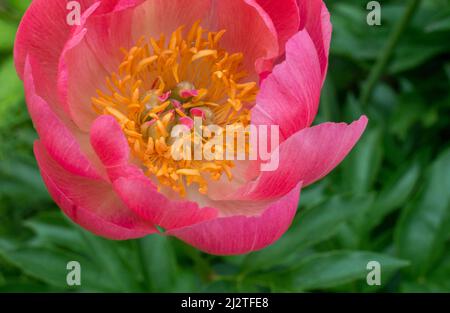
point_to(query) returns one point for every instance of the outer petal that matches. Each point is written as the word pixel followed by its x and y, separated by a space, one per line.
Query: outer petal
pixel 134 188
pixel 240 234
pixel 315 18
pixel 90 203
pixel 44 31
pixel 250 30
pixel 289 97
pixel 306 156
pixel 285 17
pixel 94 46
pixel 55 136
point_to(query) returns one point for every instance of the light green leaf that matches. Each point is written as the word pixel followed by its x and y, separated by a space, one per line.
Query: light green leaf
pixel 8 33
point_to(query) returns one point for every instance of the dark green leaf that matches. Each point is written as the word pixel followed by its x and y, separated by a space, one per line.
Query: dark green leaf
pixel 421 232
pixel 158 261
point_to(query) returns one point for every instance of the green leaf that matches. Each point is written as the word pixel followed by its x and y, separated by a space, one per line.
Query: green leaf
pixel 26 175
pixel 440 24
pixel 420 235
pixel 158 261
pixel 363 163
pixel 49 265
pixel 440 276
pixel 106 254
pixel 8 31
pixel 350 31
pixel 11 90
pixel 326 270
pixel 328 109
pixel 417 48
pixel 53 229
pixel 20 5
pixel 393 195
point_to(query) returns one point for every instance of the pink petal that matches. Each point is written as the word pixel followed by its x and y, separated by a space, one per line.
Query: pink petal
pixel 158 17
pixel 44 19
pixel 59 141
pixel 109 142
pixel 315 18
pixel 305 157
pixel 240 234
pixel 90 203
pixel 76 87
pixel 289 97
pixel 285 17
pixel 112 148
pixel 249 29
pixel 44 31
pixel 143 198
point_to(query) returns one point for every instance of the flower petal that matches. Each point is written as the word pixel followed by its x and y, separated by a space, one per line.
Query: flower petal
pixel 285 17
pixel 306 156
pixel 44 31
pixel 289 97
pixel 315 18
pixel 142 196
pixel 44 19
pixel 111 146
pixel 241 234
pixel 249 29
pixel 76 87
pixel 90 203
pixel 59 141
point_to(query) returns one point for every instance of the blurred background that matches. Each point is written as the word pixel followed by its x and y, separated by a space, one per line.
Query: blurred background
pixel 389 201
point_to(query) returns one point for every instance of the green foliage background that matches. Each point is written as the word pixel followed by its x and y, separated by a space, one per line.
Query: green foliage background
pixel 388 201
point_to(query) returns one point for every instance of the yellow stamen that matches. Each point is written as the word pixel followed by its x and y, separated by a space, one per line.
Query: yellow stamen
pixel 137 97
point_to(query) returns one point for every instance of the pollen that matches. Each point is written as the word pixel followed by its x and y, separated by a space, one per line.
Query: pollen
pixel 162 82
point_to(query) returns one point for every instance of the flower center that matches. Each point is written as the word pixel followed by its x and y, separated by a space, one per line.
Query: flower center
pixel 159 85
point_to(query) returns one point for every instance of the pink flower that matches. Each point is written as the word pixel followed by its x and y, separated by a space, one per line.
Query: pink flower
pixel 103 143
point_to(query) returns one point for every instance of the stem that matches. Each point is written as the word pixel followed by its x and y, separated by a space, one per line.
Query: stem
pixel 385 55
